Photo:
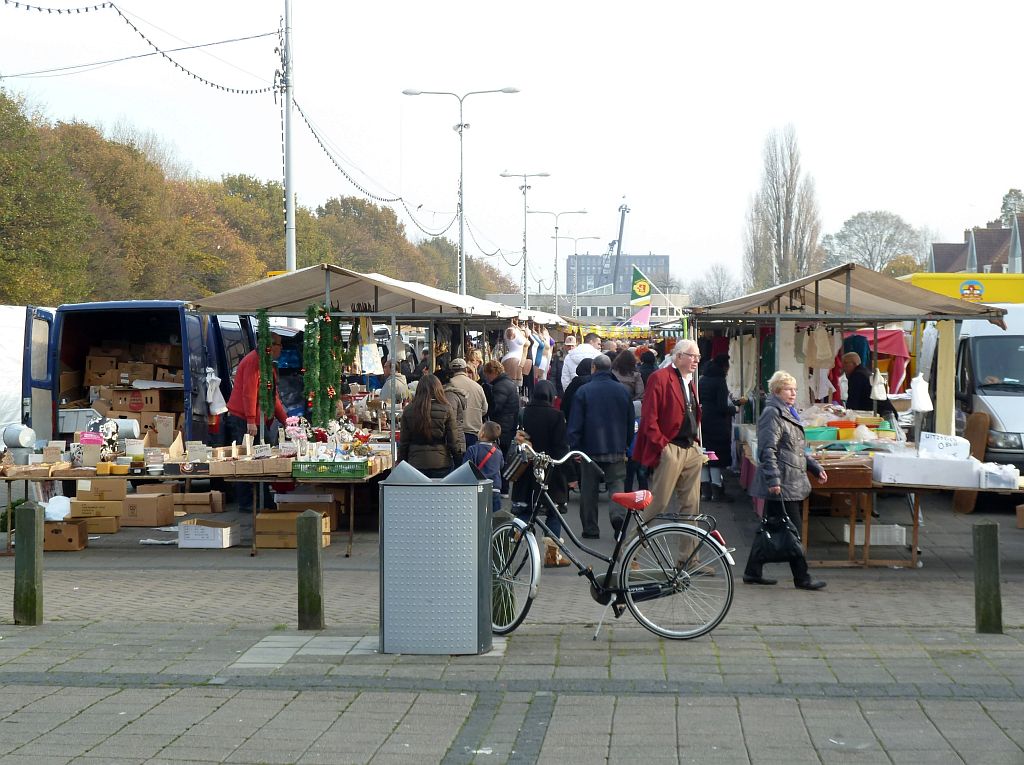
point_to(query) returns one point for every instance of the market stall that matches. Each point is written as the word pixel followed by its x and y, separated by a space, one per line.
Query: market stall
pixel 800 327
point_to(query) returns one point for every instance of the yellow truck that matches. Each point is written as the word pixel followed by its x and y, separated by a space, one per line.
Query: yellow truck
pixel 978 288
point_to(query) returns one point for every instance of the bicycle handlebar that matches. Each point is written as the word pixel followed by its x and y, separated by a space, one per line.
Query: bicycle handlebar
pixel 562 460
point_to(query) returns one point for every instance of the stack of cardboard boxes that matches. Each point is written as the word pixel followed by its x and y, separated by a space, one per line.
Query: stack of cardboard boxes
pixel 277 529
pixel 100 501
pixel 110 371
pixel 189 502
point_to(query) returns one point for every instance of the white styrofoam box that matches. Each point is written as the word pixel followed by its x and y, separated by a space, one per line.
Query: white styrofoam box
pixel 882 534
pixel 926 471
pixel 196 532
pixel 996 476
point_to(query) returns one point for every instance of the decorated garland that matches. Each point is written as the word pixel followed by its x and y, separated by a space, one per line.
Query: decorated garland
pixel 322 371
pixel 266 389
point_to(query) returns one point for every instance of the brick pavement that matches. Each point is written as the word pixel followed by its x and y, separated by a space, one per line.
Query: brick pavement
pixel 158 655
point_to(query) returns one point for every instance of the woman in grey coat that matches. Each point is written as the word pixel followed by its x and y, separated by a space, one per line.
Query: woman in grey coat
pixel 782 470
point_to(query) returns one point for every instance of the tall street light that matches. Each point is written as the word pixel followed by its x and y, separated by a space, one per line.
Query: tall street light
pixel 556 238
pixel 575 269
pixel 524 188
pixel 461 267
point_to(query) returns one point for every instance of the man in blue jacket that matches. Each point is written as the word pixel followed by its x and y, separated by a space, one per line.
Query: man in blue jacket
pixel 600 425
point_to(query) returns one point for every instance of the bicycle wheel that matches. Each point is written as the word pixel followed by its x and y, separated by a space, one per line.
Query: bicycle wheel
pixel 671 593
pixel 515 567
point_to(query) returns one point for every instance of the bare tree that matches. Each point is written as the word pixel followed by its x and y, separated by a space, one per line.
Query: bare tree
pixel 783 225
pixel 871 239
pixel 715 286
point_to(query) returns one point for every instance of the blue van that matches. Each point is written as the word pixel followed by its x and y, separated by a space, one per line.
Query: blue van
pixel 57 343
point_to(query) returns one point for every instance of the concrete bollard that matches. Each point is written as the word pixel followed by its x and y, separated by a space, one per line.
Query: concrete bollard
pixel 988 602
pixel 309 547
pixel 28 565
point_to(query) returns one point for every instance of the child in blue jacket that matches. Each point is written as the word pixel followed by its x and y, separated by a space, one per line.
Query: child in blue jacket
pixel 487 456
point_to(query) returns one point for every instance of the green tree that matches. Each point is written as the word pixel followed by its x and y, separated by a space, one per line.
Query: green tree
pixel 1013 204
pixel 45 222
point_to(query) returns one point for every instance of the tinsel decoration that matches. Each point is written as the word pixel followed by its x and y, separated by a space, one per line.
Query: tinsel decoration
pixel 311 358
pixel 266 387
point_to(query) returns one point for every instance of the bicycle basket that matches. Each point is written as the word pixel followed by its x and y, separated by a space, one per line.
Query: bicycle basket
pixel 516 463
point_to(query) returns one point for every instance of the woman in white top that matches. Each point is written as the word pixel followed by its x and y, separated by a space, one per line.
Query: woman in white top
pixel 512 361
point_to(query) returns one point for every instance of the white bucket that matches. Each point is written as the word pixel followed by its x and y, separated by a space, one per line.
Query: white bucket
pixel 17 435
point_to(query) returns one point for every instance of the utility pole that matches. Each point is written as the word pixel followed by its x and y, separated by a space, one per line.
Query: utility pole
pixel 289 196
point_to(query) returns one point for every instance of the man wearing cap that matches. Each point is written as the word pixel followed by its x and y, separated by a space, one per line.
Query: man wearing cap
pixel 473 396
pixel 590 348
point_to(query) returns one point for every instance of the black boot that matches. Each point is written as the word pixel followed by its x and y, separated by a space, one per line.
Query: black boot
pixel 705 490
pixel 718 495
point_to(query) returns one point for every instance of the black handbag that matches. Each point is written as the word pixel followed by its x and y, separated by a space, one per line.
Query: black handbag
pixel 516 462
pixel 778 540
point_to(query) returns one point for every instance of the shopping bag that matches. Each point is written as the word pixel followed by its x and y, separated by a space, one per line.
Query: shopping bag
pixel 920 401
pixel 879 391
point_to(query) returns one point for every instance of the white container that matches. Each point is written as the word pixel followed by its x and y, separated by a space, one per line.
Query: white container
pixel 18 436
pixel 996 476
pixel 200 533
pixel 911 470
pixel 882 535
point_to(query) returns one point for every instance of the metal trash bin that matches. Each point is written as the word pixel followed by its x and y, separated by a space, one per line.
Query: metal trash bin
pixel 435 567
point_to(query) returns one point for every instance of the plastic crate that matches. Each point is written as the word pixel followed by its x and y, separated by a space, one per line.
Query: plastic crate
pixel 883 535
pixel 349 469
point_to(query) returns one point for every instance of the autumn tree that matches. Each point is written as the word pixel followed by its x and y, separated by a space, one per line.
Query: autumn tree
pixel 871 239
pixel 783 228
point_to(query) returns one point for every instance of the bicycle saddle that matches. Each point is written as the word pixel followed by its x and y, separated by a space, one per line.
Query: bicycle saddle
pixel 633 500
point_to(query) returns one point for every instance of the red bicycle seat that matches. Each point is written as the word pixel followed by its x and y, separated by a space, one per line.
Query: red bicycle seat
pixel 633 500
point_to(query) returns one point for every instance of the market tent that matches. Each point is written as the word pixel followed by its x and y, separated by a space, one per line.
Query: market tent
pixel 352 292
pixel 851 292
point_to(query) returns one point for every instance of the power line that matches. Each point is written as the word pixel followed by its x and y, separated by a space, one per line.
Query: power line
pixel 59 69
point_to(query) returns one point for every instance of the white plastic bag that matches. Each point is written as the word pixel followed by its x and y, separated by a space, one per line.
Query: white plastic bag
pixel 920 401
pixel 879 391
pixel 214 398
pixel 57 509
pixel 862 434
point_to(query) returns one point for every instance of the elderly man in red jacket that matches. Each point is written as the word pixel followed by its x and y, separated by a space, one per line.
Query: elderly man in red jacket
pixel 668 440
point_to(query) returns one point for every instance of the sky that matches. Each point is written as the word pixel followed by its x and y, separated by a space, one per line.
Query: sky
pixel 910 107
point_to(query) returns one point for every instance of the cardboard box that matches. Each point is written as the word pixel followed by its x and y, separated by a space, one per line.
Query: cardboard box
pixel 200 533
pixel 116 414
pixel 297 503
pixel 284 523
pixel 163 374
pixel 130 371
pixel 912 470
pixel 163 354
pixel 159 488
pixel 186 468
pixel 66 535
pixel 97 364
pixel 91 508
pixel 285 541
pixel 70 385
pixel 222 467
pixel 197 499
pixel 107 377
pixel 148 510
pixel 162 400
pixel 103 524
pixel 101 489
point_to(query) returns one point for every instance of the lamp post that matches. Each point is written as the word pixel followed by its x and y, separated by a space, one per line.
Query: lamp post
pixel 575 269
pixel 524 188
pixel 461 267
pixel 556 238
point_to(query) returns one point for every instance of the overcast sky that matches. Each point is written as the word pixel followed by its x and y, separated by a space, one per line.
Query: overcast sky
pixel 911 107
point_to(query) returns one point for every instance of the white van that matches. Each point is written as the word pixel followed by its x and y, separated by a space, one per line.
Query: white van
pixel 990 379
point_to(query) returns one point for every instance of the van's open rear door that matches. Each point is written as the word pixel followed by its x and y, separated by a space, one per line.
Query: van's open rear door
pixel 38 373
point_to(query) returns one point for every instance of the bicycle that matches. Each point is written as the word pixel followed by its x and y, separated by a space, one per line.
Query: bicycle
pixel 675 577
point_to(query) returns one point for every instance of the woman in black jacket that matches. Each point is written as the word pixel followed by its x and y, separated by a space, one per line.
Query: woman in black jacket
pixel 502 405
pixel 717 411
pixel 427 439
pixel 546 429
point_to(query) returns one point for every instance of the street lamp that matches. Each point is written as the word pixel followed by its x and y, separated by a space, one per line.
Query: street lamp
pixel 575 269
pixel 556 237
pixel 524 188
pixel 461 266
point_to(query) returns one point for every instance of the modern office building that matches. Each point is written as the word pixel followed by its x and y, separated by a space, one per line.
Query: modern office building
pixel 589 272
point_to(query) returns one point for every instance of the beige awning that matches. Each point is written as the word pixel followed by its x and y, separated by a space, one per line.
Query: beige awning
pixel 291 293
pixel 849 292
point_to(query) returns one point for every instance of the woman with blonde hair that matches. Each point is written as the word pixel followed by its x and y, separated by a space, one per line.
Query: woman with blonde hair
pixel 781 477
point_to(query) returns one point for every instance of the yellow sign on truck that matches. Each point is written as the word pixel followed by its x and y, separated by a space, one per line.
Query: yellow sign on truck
pixel 978 288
